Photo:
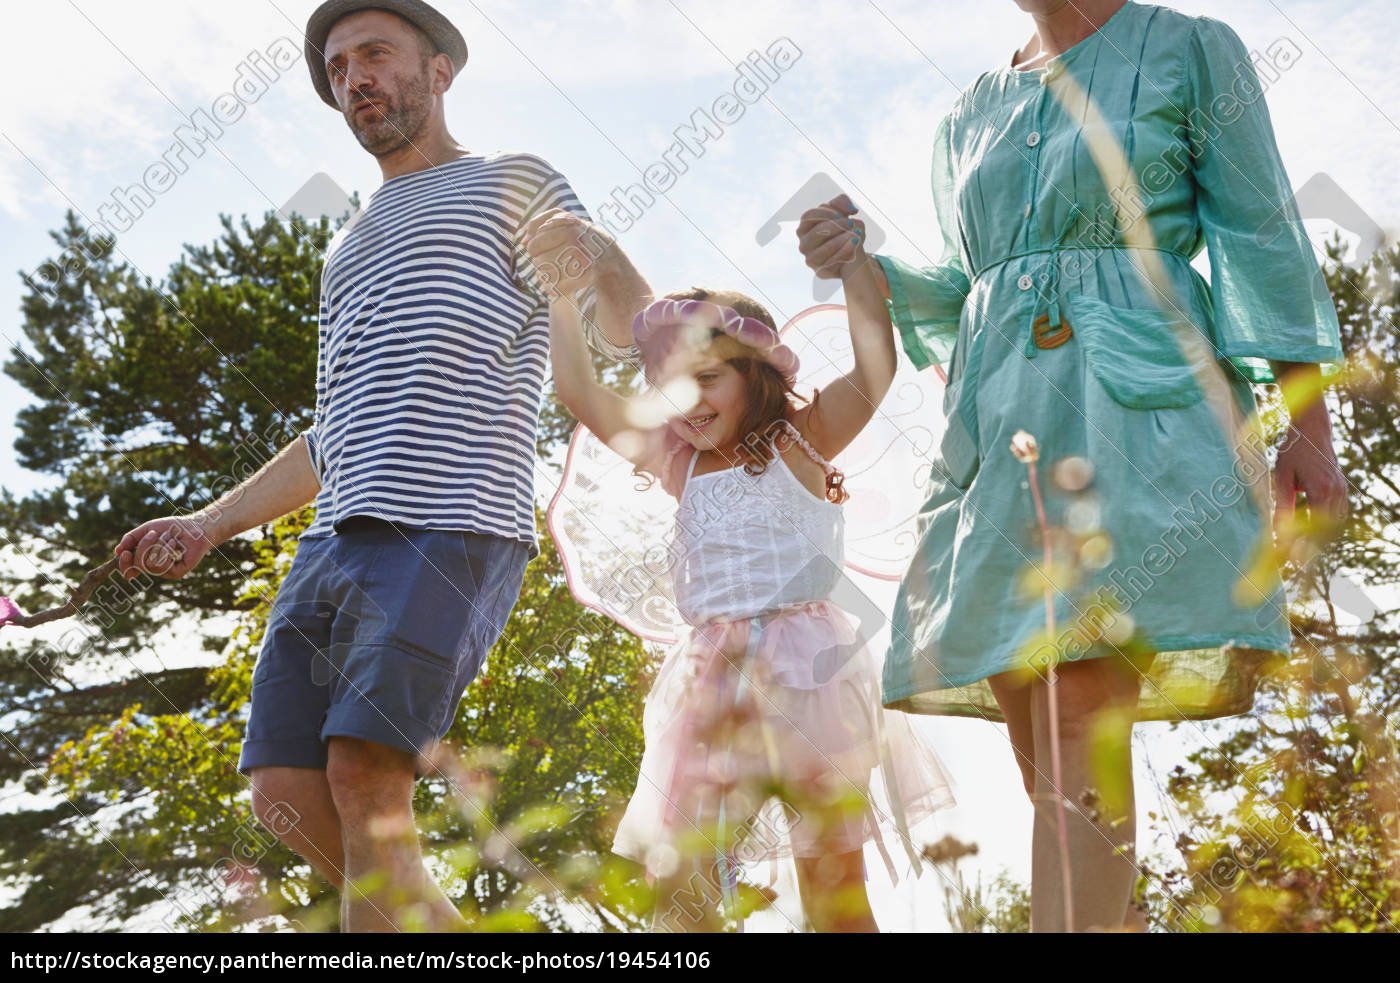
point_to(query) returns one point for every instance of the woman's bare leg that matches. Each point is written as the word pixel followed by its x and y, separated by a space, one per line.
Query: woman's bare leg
pixel 1097 700
pixel 1013 695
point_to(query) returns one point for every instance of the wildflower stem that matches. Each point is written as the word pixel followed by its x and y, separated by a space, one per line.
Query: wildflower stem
pixel 1054 706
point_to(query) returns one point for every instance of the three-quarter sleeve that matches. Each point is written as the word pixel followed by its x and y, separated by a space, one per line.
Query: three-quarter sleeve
pixel 313 451
pixel 1267 288
pixel 593 334
pixel 926 302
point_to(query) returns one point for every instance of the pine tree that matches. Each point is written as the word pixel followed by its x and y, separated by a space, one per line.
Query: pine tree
pixel 154 399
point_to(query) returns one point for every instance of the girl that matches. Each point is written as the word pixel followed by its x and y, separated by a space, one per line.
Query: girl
pixel 772 697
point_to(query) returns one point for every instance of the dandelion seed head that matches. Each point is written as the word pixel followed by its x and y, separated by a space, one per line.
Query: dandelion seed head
pixel 949 849
pixel 1024 447
pixel 1120 630
pixel 1073 473
pixel 1096 551
pixel 671 398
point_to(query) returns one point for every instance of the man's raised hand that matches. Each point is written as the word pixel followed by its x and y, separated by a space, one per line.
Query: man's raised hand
pixel 565 250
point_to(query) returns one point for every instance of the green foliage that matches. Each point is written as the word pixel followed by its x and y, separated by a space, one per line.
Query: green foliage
pixel 1288 819
pixel 1002 906
pixel 140 808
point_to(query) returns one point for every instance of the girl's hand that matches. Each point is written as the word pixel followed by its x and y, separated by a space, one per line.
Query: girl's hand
pixel 831 240
pixel 565 250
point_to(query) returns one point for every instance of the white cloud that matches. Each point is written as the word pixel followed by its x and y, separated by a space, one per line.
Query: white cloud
pixel 863 100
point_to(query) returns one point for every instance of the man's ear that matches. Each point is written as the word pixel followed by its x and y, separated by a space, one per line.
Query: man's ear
pixel 438 76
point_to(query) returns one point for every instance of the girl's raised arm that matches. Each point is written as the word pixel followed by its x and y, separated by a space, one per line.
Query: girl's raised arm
pixel 597 407
pixel 847 405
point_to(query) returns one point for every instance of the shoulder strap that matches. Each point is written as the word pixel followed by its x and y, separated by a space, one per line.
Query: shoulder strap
pixel 796 436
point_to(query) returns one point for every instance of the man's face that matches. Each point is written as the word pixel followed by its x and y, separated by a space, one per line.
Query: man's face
pixel 380 79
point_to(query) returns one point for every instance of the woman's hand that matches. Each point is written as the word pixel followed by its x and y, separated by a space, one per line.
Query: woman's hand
pixel 830 239
pixel 1308 464
pixel 833 243
pixel 1306 461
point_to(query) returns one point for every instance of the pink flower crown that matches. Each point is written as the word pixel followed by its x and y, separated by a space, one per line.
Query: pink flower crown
pixel 663 326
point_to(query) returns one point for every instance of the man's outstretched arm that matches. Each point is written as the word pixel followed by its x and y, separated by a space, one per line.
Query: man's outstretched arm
pixel 171 547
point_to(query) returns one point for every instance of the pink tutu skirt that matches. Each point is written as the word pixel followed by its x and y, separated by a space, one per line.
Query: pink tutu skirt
pixel 775 744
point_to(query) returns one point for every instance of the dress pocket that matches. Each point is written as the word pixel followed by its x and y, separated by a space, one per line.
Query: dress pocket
pixel 958 448
pixel 1137 355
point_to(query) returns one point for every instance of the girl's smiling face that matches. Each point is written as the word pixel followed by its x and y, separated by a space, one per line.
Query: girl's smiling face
pixel 713 422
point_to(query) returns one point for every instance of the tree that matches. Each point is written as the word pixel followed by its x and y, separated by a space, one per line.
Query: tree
pixel 1288 819
pixel 154 399
pixel 150 399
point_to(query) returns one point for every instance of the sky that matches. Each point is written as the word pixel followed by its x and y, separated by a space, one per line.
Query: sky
pixel 99 87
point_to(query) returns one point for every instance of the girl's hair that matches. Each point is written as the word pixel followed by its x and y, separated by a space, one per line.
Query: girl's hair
pixel 770 396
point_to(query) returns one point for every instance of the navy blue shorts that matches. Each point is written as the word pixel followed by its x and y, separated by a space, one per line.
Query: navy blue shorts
pixel 375 633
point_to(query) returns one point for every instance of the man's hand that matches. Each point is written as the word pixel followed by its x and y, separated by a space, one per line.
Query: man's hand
pixel 566 251
pixel 167 548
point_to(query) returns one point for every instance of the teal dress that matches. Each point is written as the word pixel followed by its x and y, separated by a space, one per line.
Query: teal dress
pixel 1071 201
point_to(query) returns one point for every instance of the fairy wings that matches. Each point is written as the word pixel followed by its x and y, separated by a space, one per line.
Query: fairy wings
pixel 614 531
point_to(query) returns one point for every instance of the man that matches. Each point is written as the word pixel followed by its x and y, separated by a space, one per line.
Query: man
pixel 432 353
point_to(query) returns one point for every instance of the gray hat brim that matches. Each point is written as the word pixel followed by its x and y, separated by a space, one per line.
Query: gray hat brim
pixel 447 38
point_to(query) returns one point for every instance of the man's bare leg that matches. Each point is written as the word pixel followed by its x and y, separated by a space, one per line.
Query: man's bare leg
pixel 295 804
pixel 372 787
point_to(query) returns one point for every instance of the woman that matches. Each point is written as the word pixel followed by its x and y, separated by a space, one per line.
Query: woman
pixel 1073 185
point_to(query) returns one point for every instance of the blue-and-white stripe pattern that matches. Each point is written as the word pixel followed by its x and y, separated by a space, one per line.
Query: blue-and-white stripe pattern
pixel 434 341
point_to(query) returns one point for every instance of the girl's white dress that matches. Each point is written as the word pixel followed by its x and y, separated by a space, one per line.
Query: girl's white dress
pixel 765 734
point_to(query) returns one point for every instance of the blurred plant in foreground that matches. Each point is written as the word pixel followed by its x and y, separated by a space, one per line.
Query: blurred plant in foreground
pixel 1287 819
pixel 516 822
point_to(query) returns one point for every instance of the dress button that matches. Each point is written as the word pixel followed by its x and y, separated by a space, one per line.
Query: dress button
pixel 1032 139
pixel 1024 281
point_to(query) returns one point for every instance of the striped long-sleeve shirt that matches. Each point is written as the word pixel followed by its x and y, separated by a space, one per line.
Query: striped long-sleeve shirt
pixel 433 347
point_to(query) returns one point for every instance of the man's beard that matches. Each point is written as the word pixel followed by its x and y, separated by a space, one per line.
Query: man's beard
pixel 395 121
